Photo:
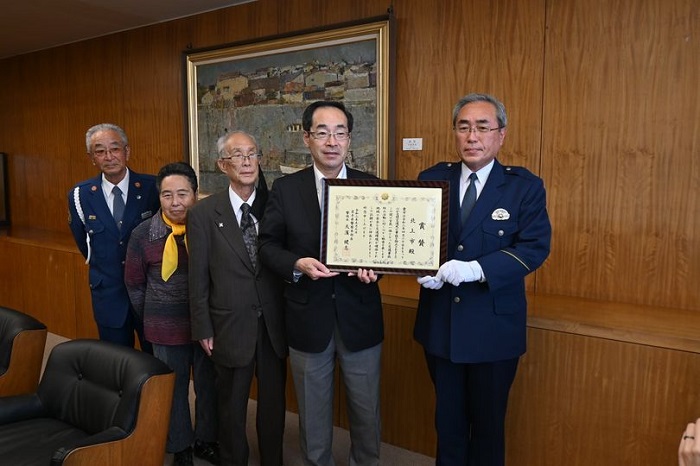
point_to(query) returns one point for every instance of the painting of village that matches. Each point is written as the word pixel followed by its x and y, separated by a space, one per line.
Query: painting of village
pixel 265 95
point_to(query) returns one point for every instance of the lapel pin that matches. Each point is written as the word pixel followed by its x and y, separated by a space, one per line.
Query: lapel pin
pixel 93 189
pixel 92 217
pixel 137 184
pixel 221 224
pixel 500 214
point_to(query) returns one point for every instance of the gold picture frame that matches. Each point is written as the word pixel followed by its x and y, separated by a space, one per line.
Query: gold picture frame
pixel 263 87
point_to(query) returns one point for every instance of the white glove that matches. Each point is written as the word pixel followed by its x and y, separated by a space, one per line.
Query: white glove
pixel 455 272
pixel 430 282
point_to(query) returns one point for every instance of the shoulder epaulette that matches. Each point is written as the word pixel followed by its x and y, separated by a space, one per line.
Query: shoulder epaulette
pixel 441 166
pixel 519 171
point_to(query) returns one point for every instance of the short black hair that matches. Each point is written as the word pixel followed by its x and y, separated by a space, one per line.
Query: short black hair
pixel 177 168
pixel 306 119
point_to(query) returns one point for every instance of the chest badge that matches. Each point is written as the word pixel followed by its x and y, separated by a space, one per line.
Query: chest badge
pixel 500 214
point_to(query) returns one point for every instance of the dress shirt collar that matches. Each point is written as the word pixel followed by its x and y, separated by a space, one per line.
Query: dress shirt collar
pixel 123 185
pixel 237 202
pixel 342 175
pixel 482 176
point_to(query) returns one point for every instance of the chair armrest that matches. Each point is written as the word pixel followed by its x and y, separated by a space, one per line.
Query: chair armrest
pixel 20 407
pixel 109 435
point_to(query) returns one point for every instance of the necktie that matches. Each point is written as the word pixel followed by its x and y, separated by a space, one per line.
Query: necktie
pixel 250 237
pixel 117 206
pixel 469 199
pixel 169 263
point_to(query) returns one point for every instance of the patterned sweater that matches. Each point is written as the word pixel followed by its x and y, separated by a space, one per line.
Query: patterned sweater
pixel 164 306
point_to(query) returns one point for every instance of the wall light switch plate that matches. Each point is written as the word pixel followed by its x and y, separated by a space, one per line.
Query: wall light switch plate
pixel 412 143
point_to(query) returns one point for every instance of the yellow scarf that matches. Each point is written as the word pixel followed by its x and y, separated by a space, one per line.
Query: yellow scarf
pixel 170 249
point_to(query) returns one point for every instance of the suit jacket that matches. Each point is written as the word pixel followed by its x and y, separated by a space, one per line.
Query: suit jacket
pixel 292 230
pixel 508 233
pixel 226 292
pixel 108 243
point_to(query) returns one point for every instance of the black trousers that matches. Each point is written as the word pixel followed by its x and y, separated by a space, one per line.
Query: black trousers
pixel 470 410
pixel 233 390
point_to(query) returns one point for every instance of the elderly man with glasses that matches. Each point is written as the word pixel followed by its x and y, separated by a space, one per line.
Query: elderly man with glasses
pixel 236 304
pixel 102 212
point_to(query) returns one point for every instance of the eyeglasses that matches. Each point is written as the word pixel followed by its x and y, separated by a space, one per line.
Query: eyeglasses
pixel 239 157
pixel 115 151
pixel 324 135
pixel 463 129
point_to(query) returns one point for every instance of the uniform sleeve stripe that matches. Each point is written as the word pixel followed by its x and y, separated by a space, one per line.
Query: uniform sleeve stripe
pixel 516 258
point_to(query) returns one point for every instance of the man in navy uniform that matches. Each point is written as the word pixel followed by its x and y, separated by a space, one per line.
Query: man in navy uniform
pixel 471 316
pixel 102 213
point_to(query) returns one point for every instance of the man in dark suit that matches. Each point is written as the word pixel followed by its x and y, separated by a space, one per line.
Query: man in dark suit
pixel 328 315
pixel 472 314
pixel 236 304
pixel 102 213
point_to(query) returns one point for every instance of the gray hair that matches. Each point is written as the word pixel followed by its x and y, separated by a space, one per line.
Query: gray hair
pixel 470 98
pixel 105 127
pixel 221 142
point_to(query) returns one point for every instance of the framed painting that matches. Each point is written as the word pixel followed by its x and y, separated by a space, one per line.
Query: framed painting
pixel 263 87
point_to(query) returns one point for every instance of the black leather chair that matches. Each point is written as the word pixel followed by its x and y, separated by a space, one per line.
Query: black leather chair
pixel 22 342
pixel 97 404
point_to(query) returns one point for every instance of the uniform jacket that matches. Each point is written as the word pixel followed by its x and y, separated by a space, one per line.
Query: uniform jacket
pixel 508 233
pixel 226 292
pixel 292 230
pixel 110 300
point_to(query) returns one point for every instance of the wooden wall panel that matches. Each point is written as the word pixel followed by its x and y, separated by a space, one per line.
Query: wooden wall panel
pixel 448 51
pixel 11 284
pixel 154 73
pixel 47 277
pixel 307 14
pixel 54 96
pixel 621 141
pixel 407 399
pixel 579 400
pixel 241 23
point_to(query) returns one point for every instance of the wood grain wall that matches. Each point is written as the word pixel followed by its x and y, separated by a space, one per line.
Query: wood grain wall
pixel 603 103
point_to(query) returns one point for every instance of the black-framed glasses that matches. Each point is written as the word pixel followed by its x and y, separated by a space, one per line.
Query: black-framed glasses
pixel 239 157
pixel 324 135
pixel 464 129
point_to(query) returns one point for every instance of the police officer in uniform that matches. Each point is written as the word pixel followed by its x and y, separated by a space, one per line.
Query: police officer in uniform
pixel 102 213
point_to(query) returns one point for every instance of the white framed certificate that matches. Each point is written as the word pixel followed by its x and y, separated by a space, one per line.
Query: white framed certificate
pixel 389 226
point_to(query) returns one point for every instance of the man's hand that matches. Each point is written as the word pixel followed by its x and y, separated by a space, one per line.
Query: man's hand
pixel 455 272
pixel 689 449
pixel 207 345
pixel 430 282
pixel 313 268
pixel 364 275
